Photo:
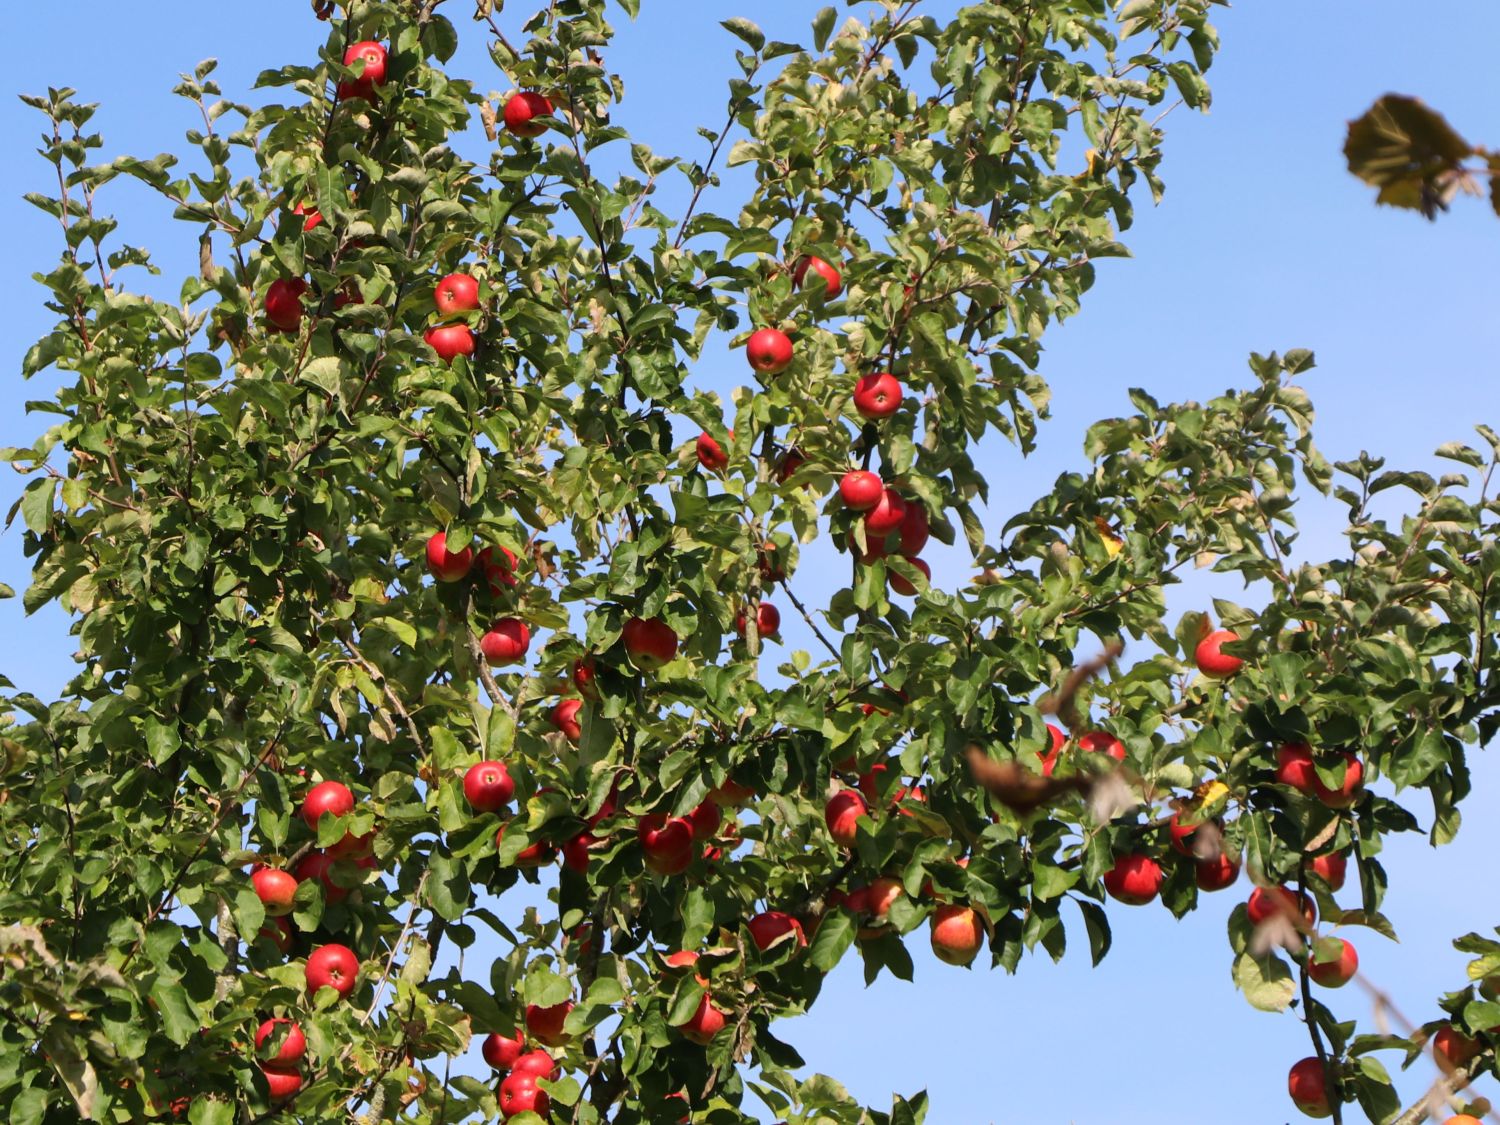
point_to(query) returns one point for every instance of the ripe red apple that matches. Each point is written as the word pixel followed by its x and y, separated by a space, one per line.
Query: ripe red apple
pixel 506 641
pixel 1213 662
pixel 498 565
pixel 649 642
pixel 842 813
pixel 957 934
pixel 767 620
pixel 488 786
pixel 915 531
pixel 456 293
pixel 1102 742
pixel 293 1042
pixel 1216 874
pixel 275 889
pixel 585 678
pixel 521 108
pixel 904 585
pixel 538 854
pixel 1454 1045
pixel 789 463
pixel 769 351
pixel 445 565
pixel 354 847
pixel 884 517
pixel 450 340
pixel 860 490
pixel 278 931
pixel 1308 1087
pixel 284 303
pixel 331 797
pixel 502 1052
pixel 545 1025
pixel 704 1024
pixel 311 216
pixel 1294 767
pixel 1134 879
pixel 536 1064
pixel 373 55
pixel 1268 902
pixel 1331 868
pixel 315 865
pixel 281 1082
pixel 519 1094
pixel 875 901
pixel 772 925
pixel 833 281
pixel 877 395
pixel 705 819
pixel 334 966
pixel 1332 963
pixel 711 454
pixel 576 849
pixel 1056 741
pixel 666 842
pixel 681 959
pixel 565 718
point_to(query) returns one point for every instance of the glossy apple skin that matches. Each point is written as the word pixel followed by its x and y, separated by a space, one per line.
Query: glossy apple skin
pixel 649 642
pixel 666 842
pixel 842 813
pixel 1056 740
pixel 833 281
pixel 957 934
pixel 1211 661
pixel 375 59
pixel 498 565
pixel 767 620
pixel 565 718
pixel 860 490
pixel 533 855
pixel 1331 868
pixel 1307 1086
pixel 281 1082
pixel 586 678
pixel 915 530
pixel 456 293
pixel 1216 874
pixel 334 966
pixel 331 797
pixel 536 1064
pixel 292 1048
pixel 711 454
pixel 451 341
pixel 1263 904
pixel 311 216
pixel 275 889
pixel 884 518
pixel 502 1052
pixel 904 585
pixel 1134 879
pixel 446 565
pixel 1335 973
pixel 284 303
pixel 1295 767
pixel 521 108
pixel 488 786
pixel 545 1025
pixel 770 925
pixel 1454 1045
pixel 316 865
pixel 1102 742
pixel 704 1024
pixel 769 351
pixel 877 395
pixel 506 641
pixel 520 1093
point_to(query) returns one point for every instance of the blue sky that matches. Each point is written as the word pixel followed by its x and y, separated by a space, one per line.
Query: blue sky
pixel 1263 242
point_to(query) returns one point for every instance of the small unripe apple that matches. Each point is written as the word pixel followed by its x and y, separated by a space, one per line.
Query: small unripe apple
pixel 445 565
pixel 1332 962
pixel 506 641
pixel 860 490
pixel 649 642
pixel 488 786
pixel 711 454
pixel 519 1094
pixel 545 1025
pixel 666 842
pixel 284 303
pixel 1134 879
pixel 293 1042
pixel 521 108
pixel 450 341
pixel 1331 868
pixel 904 585
pixel 502 1052
pixel 1268 902
pixel 456 293
pixel 331 797
pixel 842 813
pixel 767 620
pixel 334 966
pixel 957 934
pixel 281 1082
pixel 833 281
pixel 275 889
pixel 1211 660
pixel 565 718
pixel 771 926
pixel 704 1024
pixel 877 395
pixel 1308 1087
pixel 769 351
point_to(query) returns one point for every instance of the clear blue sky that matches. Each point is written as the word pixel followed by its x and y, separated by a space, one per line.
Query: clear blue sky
pixel 1263 242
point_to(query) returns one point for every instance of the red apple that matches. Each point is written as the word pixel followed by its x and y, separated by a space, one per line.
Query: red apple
pixel 1294 767
pixel 502 1052
pixel 444 565
pixel 585 678
pixel 666 842
pixel 877 395
pixel 576 849
pixel 914 528
pixel 770 926
pixel 278 931
pixel 860 490
pixel 498 565
pixel 1216 874
pixel 316 865
pixel 450 340
pixel 311 216
pixel 373 55
pixel 519 1094
pixel 281 1082
pixel 876 901
pixel 682 959
pixel 871 782
pixel 833 281
pixel 884 517
pixel 506 641
pixel 545 1025
pixel 842 813
pixel 769 351
pixel 767 620
pixel 275 889
pixel 331 797
pixel 704 1024
pixel 1331 868
pixel 1268 902
pixel 538 854
pixel 957 934
pixel 488 786
pixel 1134 879
pixel 1307 1084
pixel 649 642
pixel 293 1042
pixel 521 108
pixel 711 454
pixel 1056 741
pixel 904 585
pixel 1101 742
pixel 705 819
pixel 456 293
pixel 334 966
pixel 284 303
pixel 789 463
pixel 536 1064
pixel 1332 962
pixel 1454 1046
pixel 565 718
pixel 1213 662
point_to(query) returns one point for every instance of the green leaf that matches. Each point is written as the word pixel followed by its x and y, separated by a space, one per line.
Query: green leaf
pixel 835 935
pixel 177 1017
pixel 822 26
pixel 1266 981
pixel 744 29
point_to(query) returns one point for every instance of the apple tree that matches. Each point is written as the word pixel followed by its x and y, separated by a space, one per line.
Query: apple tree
pixel 411 556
